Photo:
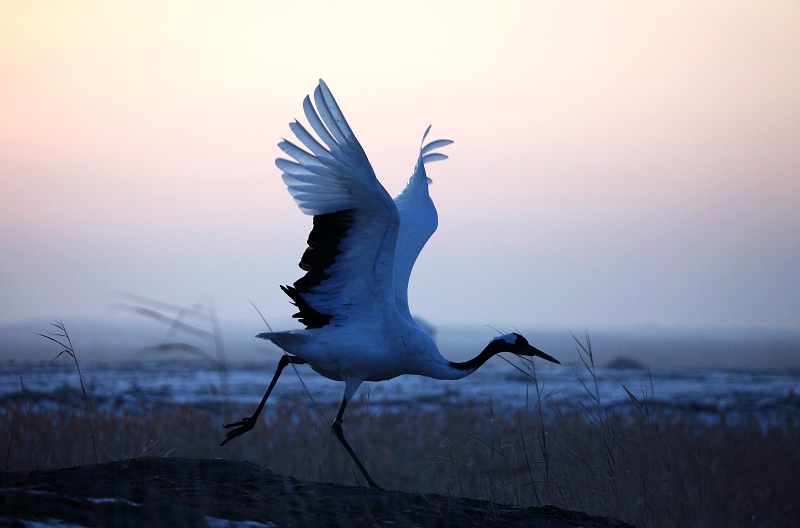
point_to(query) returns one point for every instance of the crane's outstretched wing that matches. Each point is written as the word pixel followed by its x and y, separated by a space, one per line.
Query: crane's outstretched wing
pixel 418 221
pixel 351 247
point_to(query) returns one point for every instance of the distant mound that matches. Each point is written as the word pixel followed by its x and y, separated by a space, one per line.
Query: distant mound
pixel 625 363
pixel 220 493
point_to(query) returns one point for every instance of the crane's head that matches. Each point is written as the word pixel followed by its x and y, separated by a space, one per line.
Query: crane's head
pixel 516 344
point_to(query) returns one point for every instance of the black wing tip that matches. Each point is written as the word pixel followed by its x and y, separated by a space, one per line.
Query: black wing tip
pixel 307 315
pixel 323 247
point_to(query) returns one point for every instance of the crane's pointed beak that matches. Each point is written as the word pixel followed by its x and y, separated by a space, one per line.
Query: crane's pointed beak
pixel 533 351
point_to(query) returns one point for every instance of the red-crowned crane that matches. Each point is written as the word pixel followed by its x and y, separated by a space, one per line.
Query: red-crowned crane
pixel 353 298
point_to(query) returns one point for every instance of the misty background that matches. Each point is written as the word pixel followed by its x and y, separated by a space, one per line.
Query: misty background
pixel 628 169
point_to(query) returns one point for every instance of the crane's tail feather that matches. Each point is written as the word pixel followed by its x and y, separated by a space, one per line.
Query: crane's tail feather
pixel 287 340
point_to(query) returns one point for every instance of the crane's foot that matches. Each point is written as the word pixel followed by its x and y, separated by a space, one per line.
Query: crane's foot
pixel 337 429
pixel 246 424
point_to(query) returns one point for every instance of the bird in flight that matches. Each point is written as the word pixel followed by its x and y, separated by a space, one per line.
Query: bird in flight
pixel 353 298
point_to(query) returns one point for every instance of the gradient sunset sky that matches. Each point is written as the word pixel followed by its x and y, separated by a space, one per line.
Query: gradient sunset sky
pixel 615 163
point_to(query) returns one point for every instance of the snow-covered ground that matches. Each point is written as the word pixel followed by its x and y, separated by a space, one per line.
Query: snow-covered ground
pixel 125 384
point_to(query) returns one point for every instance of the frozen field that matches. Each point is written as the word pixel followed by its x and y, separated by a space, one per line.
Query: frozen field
pixel 126 384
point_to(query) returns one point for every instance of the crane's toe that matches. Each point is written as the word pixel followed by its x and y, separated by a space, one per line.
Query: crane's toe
pixel 241 428
pixel 239 424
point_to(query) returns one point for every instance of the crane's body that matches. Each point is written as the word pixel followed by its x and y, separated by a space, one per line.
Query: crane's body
pixel 369 351
pixel 353 298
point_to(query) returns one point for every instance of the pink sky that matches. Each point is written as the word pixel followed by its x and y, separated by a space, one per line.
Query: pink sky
pixel 615 163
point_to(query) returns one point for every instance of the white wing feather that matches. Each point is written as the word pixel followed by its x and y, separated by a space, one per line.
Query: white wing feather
pixel 334 176
pixel 418 221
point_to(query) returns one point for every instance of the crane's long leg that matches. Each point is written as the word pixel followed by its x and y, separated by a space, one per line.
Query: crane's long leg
pixel 248 423
pixel 337 428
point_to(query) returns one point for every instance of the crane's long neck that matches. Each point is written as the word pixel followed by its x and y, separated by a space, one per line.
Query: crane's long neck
pixel 514 343
pixel 465 368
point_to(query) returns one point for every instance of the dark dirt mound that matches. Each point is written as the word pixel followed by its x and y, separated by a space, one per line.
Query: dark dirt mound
pixel 179 492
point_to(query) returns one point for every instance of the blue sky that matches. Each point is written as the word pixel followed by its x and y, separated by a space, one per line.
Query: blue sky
pixel 614 163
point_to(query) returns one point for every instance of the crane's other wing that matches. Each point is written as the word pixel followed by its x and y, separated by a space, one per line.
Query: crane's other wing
pixel 418 221
pixel 351 247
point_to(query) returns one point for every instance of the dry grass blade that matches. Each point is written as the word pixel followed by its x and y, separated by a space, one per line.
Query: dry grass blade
pixel 639 406
pixel 173 316
pixel 69 350
pixel 173 322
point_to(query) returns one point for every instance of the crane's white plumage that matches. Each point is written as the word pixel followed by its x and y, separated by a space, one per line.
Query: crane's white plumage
pixel 353 298
pixel 340 178
pixel 364 287
pixel 418 221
